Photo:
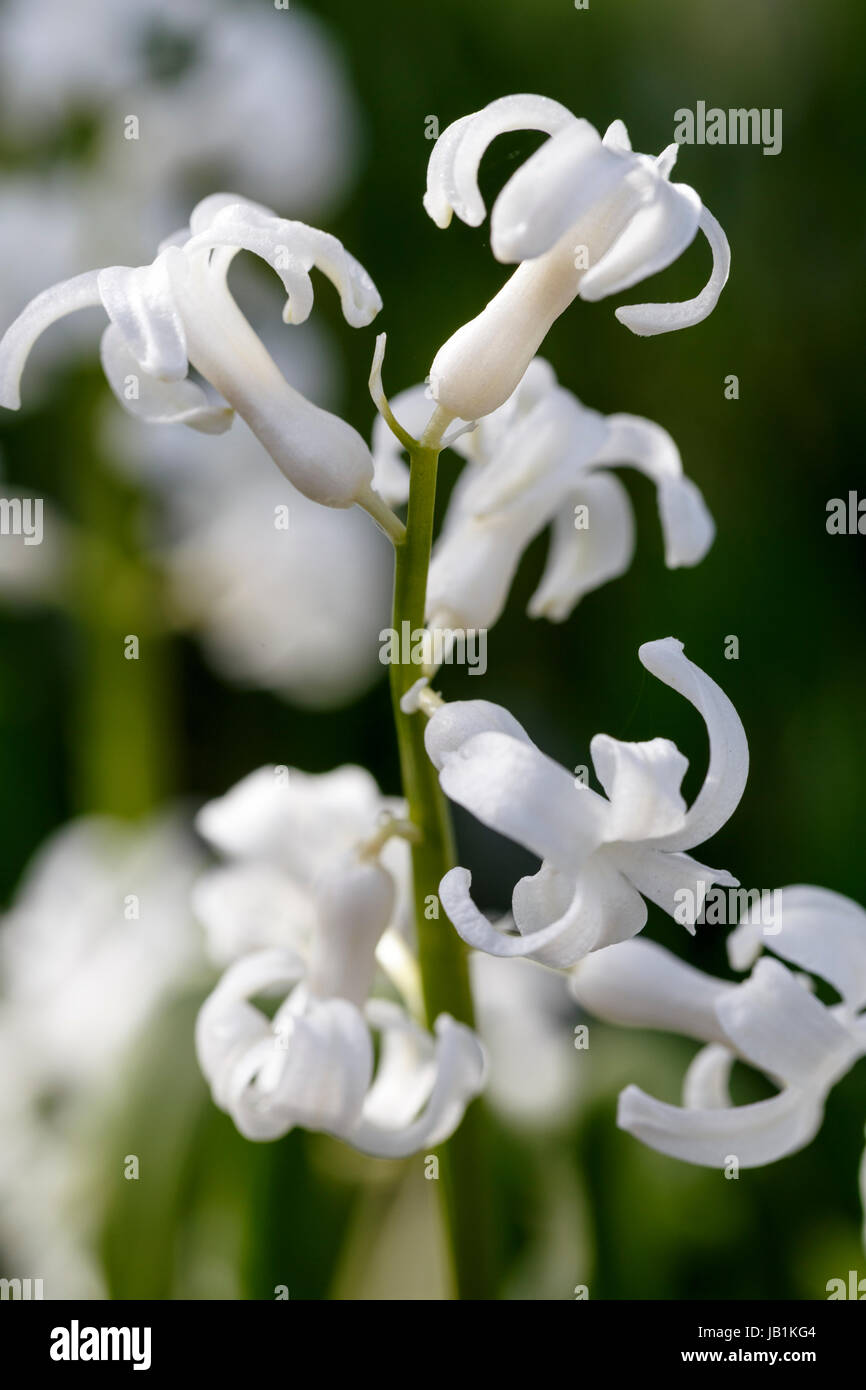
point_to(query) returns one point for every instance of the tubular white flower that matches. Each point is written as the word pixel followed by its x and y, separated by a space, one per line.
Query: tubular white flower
pixel 602 855
pixel 313 1064
pixel 178 312
pixel 584 216
pixel 535 461
pixel 772 1021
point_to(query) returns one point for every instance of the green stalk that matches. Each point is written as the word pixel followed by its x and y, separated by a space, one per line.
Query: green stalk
pixel 463 1162
pixel 123 707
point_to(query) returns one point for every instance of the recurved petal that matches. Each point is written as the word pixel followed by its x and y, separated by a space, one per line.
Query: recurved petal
pixel 207 209
pixel 560 916
pixel 648 319
pixel 642 781
pixel 554 188
pixel 312 1069
pixel 156 401
pixel 514 788
pixel 452 173
pixel 657 233
pixel 818 931
pixel 140 302
pixel 687 526
pixel 459 1077
pixel 592 909
pixel 407 1068
pixel 777 1024
pixel 582 559
pixel 753 1134
pixel 474 928
pixel 292 249
pixel 729 752
pixel 675 882
pixel 81 292
pixel 319 1070
pixel 641 985
pixel 706 1084
pixel 228 1024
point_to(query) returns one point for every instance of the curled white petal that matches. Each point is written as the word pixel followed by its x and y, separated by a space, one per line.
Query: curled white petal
pixel 154 400
pixel 752 1134
pixel 452 173
pixel 642 782
pixel 460 1069
pixel 581 560
pixel 654 236
pixel 819 931
pixel 781 1027
pixel 648 319
pixel 81 292
pixel 292 249
pixel 675 882
pixel 140 301
pixel 706 1084
pixel 228 1024
pixel 729 751
pixel 687 525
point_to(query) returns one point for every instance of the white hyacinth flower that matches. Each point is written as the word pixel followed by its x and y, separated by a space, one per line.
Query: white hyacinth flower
pixel 602 855
pixel 544 459
pixel 178 313
pixel 772 1021
pixel 281 831
pixel 313 1064
pixel 583 216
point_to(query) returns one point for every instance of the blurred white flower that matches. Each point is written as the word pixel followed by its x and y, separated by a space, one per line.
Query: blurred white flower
pixel 584 216
pixel 772 1021
pixel 601 855
pixel 544 458
pixel 526 1026
pixel 207 81
pixel 313 1063
pixel 99 936
pixel 178 312
pixel 284 595
pixel 281 831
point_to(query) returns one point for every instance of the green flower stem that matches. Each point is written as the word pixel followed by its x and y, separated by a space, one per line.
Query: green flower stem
pixel 463 1167
pixel 123 710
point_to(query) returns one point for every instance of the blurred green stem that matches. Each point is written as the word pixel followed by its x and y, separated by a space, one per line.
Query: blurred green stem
pixel 122 704
pixel 464 1170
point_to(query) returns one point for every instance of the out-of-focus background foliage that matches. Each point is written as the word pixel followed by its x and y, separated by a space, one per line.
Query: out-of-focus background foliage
pixel 323 116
